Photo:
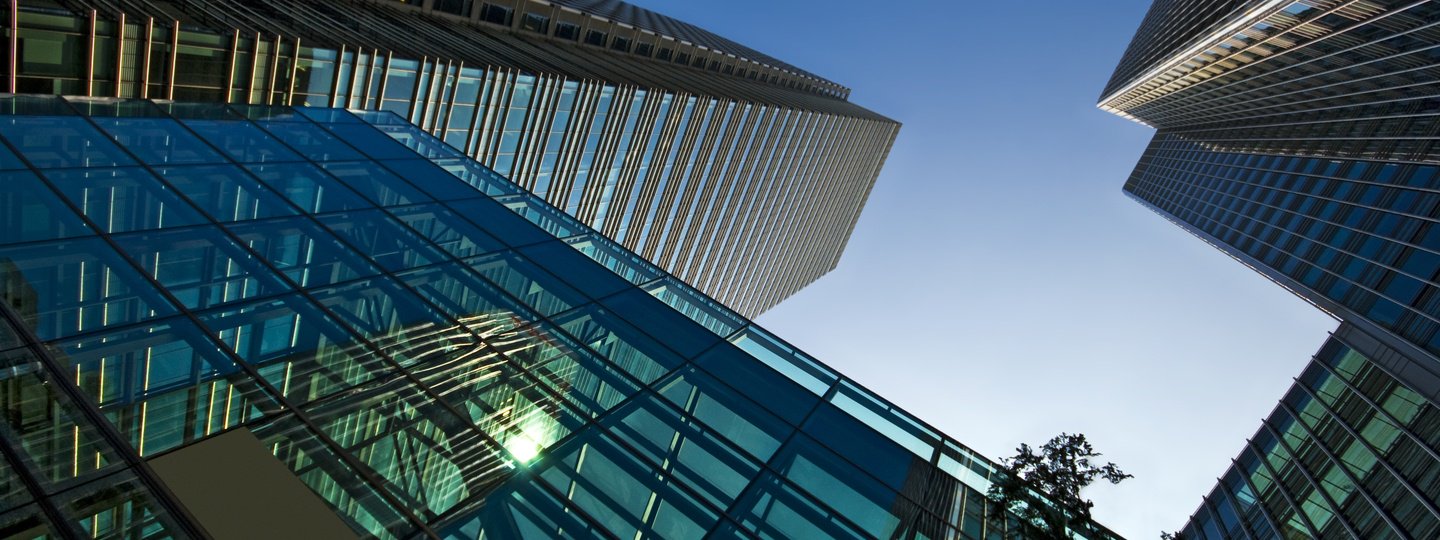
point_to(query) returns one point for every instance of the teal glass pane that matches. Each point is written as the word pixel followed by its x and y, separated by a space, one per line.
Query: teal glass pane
pixel 726 412
pixel 580 273
pixel 242 141
pixel 447 229
pixel 308 187
pixel 689 302
pixel 527 282
pixel 657 319
pixel 499 222
pixel 158 141
pixel 683 449
pixel 369 141
pixel 164 384
pixel 478 176
pixel 623 263
pixel 584 380
pixel 58 444
pixel 226 192
pixel 615 488
pixel 842 486
pixel 8 160
pixel 776 393
pixel 393 319
pixel 33 212
pixel 201 267
pixel 773 509
pixel 118 507
pixel 851 439
pixel 295 347
pixel 432 179
pixel 429 458
pixel 304 252
pixel 417 141
pixel 359 504
pixel 28 523
pixel 386 241
pixel 619 343
pixel 123 199
pixel 793 364
pixel 376 183
pixel 518 510
pixel 75 286
pixel 328 116
pixel 552 220
pixel 477 304
pixel 310 140
pixel 58 141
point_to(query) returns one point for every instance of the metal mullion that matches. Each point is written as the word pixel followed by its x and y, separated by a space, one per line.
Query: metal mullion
pixel 680 182
pixel 1295 461
pixel 621 102
pixel 90 54
pixel 274 71
pixel 1244 478
pixel 711 180
pixel 572 147
pixel 529 134
pixel 472 138
pixel 174 58
pixel 659 156
pixel 232 57
pixel 415 93
pixel 630 170
pixel 717 214
pixel 295 67
pixel 1380 458
pixel 1245 529
pixel 144 52
pixel 725 236
pixel 495 127
pixel 1344 469
pixel 443 120
pixel 775 194
pixel 335 80
pixel 13 59
pixel 821 158
pixel 254 67
pixel 384 81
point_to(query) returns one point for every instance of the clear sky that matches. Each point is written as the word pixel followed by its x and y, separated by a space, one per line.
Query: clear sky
pixel 999 285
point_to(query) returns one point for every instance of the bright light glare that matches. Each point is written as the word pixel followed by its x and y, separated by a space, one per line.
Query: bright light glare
pixel 527 444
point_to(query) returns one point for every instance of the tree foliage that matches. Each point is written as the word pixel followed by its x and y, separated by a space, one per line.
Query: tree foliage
pixel 1060 470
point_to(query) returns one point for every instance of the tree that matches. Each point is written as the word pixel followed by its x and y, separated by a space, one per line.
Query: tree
pixel 1059 470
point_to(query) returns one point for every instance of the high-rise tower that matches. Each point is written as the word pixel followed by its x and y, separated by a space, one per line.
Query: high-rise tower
pixel 739 173
pixel 1300 138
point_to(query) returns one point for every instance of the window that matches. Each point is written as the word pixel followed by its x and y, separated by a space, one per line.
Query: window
pixel 665 54
pixel 596 38
pixel 621 44
pixel 565 30
pixel 535 22
pixel 453 7
pixel 682 58
pixel 643 49
pixel 492 13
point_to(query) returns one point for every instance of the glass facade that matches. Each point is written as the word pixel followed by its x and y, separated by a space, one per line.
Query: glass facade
pixel 421 347
pixel 1299 137
pixel 745 181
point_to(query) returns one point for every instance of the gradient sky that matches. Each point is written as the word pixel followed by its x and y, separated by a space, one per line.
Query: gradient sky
pixel 999 285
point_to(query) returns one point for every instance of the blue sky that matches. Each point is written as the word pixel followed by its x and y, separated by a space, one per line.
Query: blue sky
pixel 999 285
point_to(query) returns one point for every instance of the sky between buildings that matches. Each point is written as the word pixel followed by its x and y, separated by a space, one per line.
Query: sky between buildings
pixel 999 285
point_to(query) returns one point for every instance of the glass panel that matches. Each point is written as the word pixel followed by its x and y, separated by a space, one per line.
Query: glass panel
pixel 583 379
pixel 373 181
pixel 199 266
pixel 499 221
pixel 370 141
pixel 123 199
pixel 383 239
pixel 532 285
pixel 242 141
pixel 158 141
pixel 615 489
pixel 304 252
pixel 623 263
pixel 438 182
pixel 394 320
pixel 308 187
pixel 359 504
pixel 429 458
pixel 845 436
pixel 886 419
pixel 27 523
pixel 33 212
pixel 580 273
pixel 789 362
pixel 226 193
pixel 683 449
pixel 40 422
pixel 448 230
pixel 478 305
pixel 60 141
pixel 655 318
pixel 620 343
pixel 698 308
pixel 419 142
pixel 162 385
pixel 778 394
pixel 118 507
pixel 311 141
pixel 774 509
pixel 843 487
pixel 479 176
pixel 555 222
pixel 727 412
pixel 295 347
pixel 62 289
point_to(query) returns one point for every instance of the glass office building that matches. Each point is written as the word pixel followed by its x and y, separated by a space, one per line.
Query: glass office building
pixel 236 321
pixel 1299 137
pixel 735 171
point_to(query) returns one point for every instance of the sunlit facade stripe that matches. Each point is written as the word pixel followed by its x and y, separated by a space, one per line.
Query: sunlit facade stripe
pixel 263 320
pixel 621 133
pixel 1299 137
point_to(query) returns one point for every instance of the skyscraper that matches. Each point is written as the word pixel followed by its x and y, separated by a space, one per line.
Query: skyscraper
pixel 247 320
pixel 1299 137
pixel 735 171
